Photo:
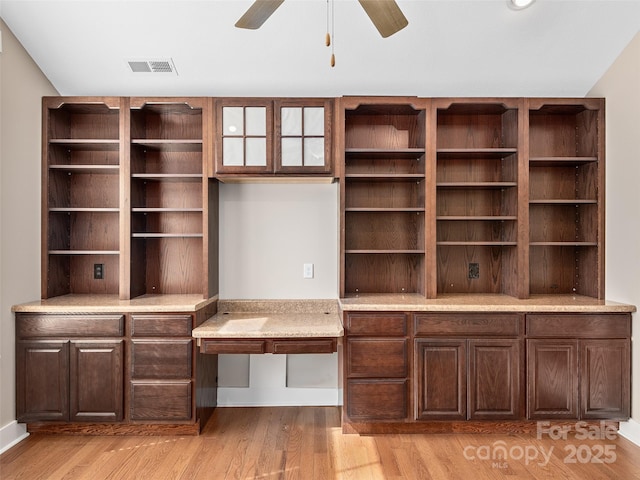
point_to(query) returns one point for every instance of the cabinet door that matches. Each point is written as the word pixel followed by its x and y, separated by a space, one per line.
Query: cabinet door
pixel 552 379
pixel 96 386
pixel 494 379
pixel 605 379
pixel 442 379
pixel 42 380
pixel 303 135
pixel 244 136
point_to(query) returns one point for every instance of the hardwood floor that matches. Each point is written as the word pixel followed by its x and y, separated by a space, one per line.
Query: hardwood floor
pixel 307 443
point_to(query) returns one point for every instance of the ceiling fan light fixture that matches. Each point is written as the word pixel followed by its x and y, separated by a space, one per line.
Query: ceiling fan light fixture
pixel 519 4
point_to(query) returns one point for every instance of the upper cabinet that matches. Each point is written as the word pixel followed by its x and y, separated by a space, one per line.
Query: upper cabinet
pixel 272 137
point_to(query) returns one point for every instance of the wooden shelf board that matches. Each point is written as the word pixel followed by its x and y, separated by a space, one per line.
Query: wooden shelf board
pixel 84 252
pixel 385 176
pixel 110 169
pixel 487 185
pixel 170 177
pixel 475 153
pixel 560 161
pixel 183 145
pixel 83 209
pixel 569 201
pixel 383 252
pixel 384 210
pixel 87 143
pixel 167 235
pixel 563 244
pixel 482 218
pixel 162 210
pixel 479 243
pixel 395 153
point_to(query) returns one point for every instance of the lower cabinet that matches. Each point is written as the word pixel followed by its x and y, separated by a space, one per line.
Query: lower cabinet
pixel 161 367
pixel 63 377
pixel 579 366
pixel 476 366
pixel 377 367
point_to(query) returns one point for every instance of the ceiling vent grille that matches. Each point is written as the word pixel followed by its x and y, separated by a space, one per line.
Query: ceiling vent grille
pixel 152 66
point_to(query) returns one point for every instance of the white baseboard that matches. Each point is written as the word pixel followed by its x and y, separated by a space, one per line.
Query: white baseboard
pixel 630 430
pixel 11 434
pixel 278 397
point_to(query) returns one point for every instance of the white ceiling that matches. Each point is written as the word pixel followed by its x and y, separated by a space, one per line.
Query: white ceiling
pixel 450 47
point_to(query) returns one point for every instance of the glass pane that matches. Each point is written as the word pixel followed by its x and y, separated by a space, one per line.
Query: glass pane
pixel 256 152
pixel 314 121
pixel 291 121
pixel 232 154
pixel 232 121
pixel 256 120
pixel 314 152
pixel 291 152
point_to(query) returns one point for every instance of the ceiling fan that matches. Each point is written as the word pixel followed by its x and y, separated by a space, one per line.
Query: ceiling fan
pixel 385 15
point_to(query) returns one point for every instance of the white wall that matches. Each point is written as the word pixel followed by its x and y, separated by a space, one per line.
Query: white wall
pixel 267 233
pixel 620 85
pixel 22 85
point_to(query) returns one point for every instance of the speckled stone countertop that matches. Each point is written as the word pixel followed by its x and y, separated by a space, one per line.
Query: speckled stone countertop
pixel 273 319
pixel 482 303
pixel 112 304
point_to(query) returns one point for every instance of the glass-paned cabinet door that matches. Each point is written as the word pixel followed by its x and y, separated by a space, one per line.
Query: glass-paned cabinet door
pixel 303 140
pixel 244 136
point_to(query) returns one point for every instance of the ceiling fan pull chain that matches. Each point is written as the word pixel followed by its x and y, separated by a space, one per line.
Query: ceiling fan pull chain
pixel 329 36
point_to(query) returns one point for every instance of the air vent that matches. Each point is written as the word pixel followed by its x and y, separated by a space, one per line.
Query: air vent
pixel 152 66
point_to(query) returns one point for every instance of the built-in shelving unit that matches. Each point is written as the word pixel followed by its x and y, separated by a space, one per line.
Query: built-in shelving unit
pixel 476 195
pixel 81 210
pixel 168 195
pixel 384 197
pixel 566 154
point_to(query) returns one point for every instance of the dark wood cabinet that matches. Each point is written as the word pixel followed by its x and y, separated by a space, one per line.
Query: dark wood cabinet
pixel 467 378
pixel 576 372
pixel 273 137
pixel 377 366
pixel 162 373
pixel 68 369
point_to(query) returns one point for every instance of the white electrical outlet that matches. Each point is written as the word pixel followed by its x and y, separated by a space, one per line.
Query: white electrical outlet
pixel 307 270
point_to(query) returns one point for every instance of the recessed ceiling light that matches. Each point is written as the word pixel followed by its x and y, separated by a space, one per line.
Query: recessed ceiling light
pixel 519 4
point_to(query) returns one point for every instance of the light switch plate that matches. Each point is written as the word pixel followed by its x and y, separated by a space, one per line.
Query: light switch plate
pixel 308 270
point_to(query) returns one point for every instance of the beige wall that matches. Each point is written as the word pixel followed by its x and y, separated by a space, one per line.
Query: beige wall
pixel 620 85
pixel 22 85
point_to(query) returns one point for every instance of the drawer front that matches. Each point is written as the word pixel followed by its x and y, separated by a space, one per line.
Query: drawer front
pixel 377 358
pixel 45 325
pixel 376 324
pixel 233 346
pixel 321 345
pixel 161 325
pixel 468 324
pixel 377 400
pixel 152 401
pixel 161 359
pixel 617 325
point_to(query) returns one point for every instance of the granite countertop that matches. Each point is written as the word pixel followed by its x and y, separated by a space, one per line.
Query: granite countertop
pixel 112 304
pixel 482 303
pixel 273 319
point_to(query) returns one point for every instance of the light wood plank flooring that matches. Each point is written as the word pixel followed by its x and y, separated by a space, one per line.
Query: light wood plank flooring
pixel 307 443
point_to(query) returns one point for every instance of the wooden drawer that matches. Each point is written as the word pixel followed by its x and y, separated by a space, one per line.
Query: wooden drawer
pixel 269 345
pixel 161 325
pixel 377 400
pixel 607 325
pixel 47 325
pixel 321 345
pixel 376 324
pixel 377 358
pixel 161 359
pixel 160 400
pixel 468 324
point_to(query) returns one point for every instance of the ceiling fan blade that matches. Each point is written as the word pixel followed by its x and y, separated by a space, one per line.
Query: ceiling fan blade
pixel 258 13
pixel 385 15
